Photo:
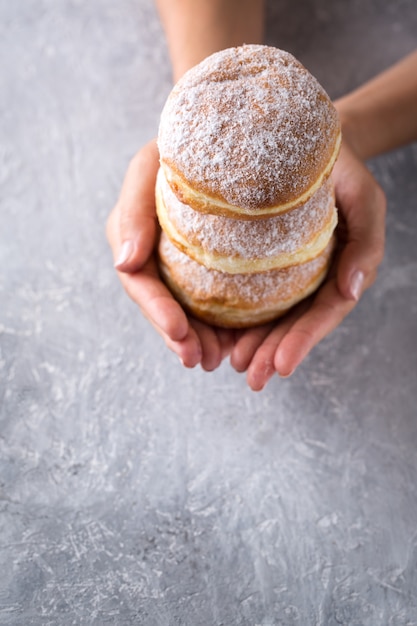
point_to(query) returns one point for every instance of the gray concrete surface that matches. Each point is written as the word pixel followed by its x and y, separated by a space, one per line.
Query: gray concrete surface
pixel 133 491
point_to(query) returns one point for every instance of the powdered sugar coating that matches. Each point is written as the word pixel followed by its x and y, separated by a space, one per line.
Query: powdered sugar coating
pixel 249 126
pixel 240 290
pixel 268 238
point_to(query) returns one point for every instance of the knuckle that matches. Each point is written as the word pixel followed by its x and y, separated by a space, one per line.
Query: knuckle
pixel 371 278
pixel 378 250
pixel 380 199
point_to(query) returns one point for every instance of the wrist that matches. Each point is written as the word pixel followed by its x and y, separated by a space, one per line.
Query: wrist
pixel 353 132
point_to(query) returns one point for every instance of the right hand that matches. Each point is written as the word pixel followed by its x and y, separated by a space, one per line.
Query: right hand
pixel 281 346
pixel 133 233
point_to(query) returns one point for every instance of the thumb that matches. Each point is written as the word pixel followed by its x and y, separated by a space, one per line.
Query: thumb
pixel 136 224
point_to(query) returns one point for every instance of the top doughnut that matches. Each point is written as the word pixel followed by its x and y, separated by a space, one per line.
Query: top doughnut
pixel 248 133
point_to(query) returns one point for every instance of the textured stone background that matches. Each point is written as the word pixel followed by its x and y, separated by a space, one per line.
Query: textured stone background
pixel 133 491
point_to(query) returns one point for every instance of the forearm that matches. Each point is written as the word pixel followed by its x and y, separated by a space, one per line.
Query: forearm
pixel 197 28
pixel 381 115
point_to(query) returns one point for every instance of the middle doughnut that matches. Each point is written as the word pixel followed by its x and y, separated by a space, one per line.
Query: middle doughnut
pixel 239 246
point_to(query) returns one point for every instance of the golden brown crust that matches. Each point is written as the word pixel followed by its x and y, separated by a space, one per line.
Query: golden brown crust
pixel 248 132
pixel 238 300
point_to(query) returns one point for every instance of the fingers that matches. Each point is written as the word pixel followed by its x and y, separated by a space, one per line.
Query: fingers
pixel 261 367
pixel 282 347
pixel 256 348
pixel 210 345
pixel 188 349
pixel 362 207
pixel 156 302
pixel 216 343
pixel 227 340
pixel 164 313
pixel 194 342
pixel 326 312
pixel 132 226
pixel 246 346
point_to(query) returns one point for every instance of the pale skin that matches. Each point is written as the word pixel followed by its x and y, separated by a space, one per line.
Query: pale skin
pixel 376 118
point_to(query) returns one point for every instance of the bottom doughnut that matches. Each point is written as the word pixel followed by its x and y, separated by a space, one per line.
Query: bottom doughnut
pixel 238 300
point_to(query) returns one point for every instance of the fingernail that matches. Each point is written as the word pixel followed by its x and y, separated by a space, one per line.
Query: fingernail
pixel 287 375
pixel 125 253
pixel 356 284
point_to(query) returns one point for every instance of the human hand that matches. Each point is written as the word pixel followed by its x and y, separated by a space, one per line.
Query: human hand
pixel 133 231
pixel 281 346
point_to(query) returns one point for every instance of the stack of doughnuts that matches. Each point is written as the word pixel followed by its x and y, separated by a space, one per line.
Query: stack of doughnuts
pixel 247 140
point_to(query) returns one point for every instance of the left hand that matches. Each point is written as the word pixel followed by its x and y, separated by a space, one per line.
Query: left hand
pixel 132 227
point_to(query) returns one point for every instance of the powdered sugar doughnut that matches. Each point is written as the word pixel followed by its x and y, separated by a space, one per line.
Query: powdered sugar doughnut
pixel 241 246
pixel 248 132
pixel 238 300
